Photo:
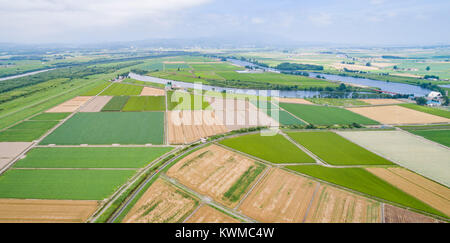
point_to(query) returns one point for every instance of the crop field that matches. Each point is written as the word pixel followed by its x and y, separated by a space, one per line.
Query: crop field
pixel 331 205
pixel 26 131
pixel 118 89
pixel 219 173
pixel 110 128
pixel 284 118
pixel 207 214
pixel 281 197
pixel 45 211
pixel 438 196
pixel 185 101
pixel 382 101
pixel 189 126
pixel 148 91
pixel 429 110
pixel 417 154
pixel 162 203
pixel 96 105
pixel 50 117
pixel 62 184
pixel 116 103
pixel 397 215
pixel 10 150
pixel 96 90
pixel 71 105
pixel 145 103
pixel 295 101
pixel 336 150
pixel 439 136
pixel 324 115
pixel 361 180
pixel 398 115
pixel 79 157
pixel 215 67
pixel 337 102
pixel 276 149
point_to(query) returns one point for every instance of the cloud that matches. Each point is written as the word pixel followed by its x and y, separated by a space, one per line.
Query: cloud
pixel 321 19
pixel 377 2
pixel 258 20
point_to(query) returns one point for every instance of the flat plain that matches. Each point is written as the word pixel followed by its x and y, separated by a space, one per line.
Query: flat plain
pixel 207 214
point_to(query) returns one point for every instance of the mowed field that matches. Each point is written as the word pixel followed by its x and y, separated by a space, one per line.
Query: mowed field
pixel 336 150
pixel 281 197
pixel 207 214
pixel 429 110
pixel 276 149
pixel 331 205
pixel 116 103
pixel 382 101
pixel 118 89
pixel 71 105
pixel 45 211
pixel 415 153
pixel 397 215
pixel 62 184
pixel 79 157
pixel 162 203
pixel 324 115
pixel 398 115
pixel 219 173
pixel 361 180
pixel 110 128
pixel 96 104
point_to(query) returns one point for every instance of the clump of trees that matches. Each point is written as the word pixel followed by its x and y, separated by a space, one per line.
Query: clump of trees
pixel 286 66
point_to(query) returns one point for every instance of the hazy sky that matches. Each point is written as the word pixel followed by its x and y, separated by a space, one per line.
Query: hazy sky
pixel 332 21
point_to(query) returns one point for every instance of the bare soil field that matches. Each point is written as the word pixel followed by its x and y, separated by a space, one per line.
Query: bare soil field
pixel 382 101
pixel 399 215
pixel 9 150
pixel 214 171
pixel 295 101
pixel 397 115
pixel 147 91
pixel 354 67
pixel 415 189
pixel 162 203
pixel 45 211
pixel 96 105
pixel 406 75
pixel 281 197
pixel 71 105
pixel 383 64
pixel 239 113
pixel 207 214
pixel 190 126
pixel 417 154
pixel 331 205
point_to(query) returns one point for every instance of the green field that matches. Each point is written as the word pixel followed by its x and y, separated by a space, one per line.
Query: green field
pixel 119 89
pixel 62 184
pixel 27 131
pixel 145 103
pixel 185 101
pixel 50 117
pixel 241 185
pixel 284 118
pixel 110 128
pixel 429 110
pixel 361 180
pixel 325 115
pixel 337 102
pixel 120 157
pixel 116 103
pixel 96 90
pixel 438 136
pixel 276 149
pixel 336 150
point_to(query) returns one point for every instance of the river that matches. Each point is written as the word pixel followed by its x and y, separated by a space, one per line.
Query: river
pixel 24 75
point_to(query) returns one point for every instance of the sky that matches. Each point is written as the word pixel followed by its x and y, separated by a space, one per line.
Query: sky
pixel 364 22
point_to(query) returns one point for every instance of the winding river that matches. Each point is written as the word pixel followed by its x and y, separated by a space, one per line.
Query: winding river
pixel 24 75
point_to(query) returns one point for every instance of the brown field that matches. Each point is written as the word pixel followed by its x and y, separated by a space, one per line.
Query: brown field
pixel 71 105
pixel 212 171
pixel 96 105
pixel 162 203
pixel 406 75
pixel 239 113
pixel 147 91
pixel 382 101
pixel 281 197
pixel 415 188
pixel 10 150
pixel 383 64
pixel 399 215
pixel 354 67
pixel 295 101
pixel 397 115
pixel 45 211
pixel 207 214
pixel 331 205
pixel 188 131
